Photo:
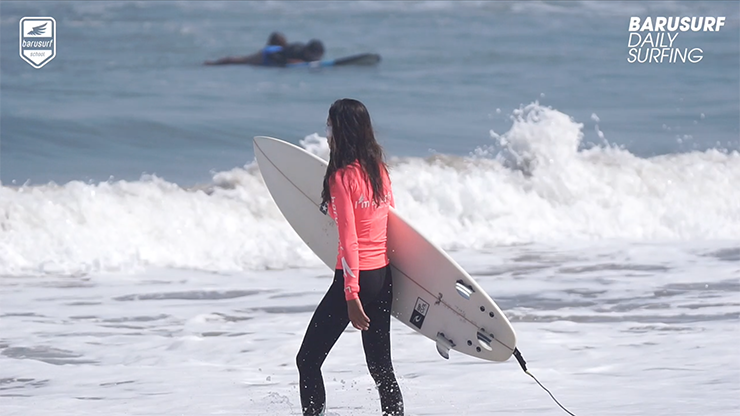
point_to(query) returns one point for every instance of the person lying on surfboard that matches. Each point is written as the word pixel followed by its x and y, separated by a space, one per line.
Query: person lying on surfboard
pixel 357 194
pixel 278 52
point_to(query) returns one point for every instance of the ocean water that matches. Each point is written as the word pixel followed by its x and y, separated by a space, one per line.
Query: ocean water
pixel 144 268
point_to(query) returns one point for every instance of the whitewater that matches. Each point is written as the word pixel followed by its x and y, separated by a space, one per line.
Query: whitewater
pixel 536 183
pixel 619 273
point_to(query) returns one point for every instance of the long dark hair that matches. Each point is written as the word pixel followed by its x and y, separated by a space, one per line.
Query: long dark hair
pixel 354 141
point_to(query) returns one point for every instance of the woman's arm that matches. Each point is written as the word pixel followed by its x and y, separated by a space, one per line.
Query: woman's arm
pixel 344 214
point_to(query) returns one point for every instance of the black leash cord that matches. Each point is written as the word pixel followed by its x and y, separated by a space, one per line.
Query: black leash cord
pixel 523 364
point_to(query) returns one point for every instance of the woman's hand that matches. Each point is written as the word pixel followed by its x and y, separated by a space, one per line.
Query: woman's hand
pixel 357 315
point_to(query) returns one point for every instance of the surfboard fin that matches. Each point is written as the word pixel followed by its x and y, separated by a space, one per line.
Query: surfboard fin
pixel 444 345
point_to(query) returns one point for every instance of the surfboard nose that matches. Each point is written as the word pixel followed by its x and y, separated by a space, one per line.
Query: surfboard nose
pixel 265 143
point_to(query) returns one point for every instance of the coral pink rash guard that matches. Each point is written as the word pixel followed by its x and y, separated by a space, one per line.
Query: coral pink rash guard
pixel 361 223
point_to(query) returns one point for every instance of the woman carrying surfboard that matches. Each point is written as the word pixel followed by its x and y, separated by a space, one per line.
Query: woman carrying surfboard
pixel 357 194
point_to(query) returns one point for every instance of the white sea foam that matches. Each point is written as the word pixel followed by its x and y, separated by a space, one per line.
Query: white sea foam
pixel 534 184
pixel 651 327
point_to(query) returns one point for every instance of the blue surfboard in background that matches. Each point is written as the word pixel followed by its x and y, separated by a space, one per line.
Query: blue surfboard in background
pixel 364 59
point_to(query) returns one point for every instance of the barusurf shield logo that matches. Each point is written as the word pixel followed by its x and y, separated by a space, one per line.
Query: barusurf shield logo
pixel 38 40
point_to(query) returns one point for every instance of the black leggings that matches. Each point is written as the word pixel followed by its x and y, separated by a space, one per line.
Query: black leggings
pixel 327 324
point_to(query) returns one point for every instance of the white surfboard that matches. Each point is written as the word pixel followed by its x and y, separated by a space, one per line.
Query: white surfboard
pixel 433 295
